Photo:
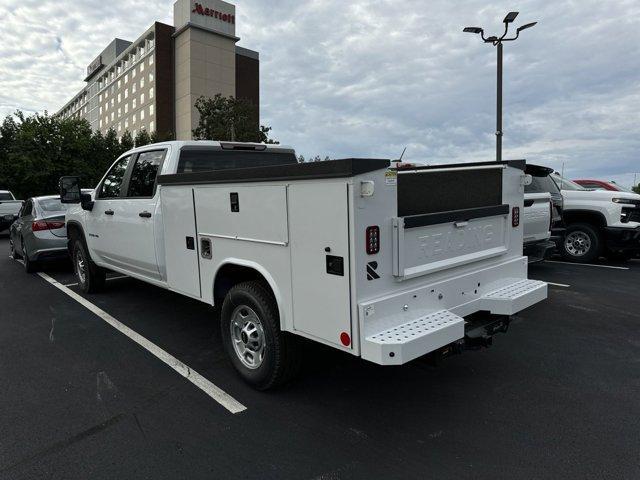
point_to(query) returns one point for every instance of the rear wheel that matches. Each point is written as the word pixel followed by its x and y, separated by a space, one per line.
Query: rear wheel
pixel 13 253
pixel 582 243
pixel 264 356
pixel 30 266
pixel 91 278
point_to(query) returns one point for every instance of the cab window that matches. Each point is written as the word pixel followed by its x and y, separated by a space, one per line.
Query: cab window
pixel 144 173
pixel 112 183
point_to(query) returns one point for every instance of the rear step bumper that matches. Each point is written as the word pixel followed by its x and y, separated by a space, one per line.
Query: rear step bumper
pixel 402 343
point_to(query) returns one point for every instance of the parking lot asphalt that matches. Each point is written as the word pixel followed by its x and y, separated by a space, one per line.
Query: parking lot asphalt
pixel 558 396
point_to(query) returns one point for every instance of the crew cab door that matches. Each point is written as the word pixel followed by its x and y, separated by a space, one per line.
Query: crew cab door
pixel 99 222
pixel 134 227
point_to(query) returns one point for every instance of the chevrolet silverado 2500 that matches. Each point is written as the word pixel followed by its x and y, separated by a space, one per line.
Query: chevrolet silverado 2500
pixel 384 264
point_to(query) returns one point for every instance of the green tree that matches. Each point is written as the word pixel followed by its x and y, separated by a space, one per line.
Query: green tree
pixel 636 188
pixel 229 119
pixel 126 141
pixel 142 138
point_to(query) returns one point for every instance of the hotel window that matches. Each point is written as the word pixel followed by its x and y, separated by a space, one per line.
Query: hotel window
pixel 133 118
pixel 119 97
pixel 126 77
pixel 151 59
pixel 133 88
pixel 142 114
pixel 100 97
pixel 126 93
pixel 133 72
pixel 142 82
pixel 151 109
pixel 119 112
pixel 112 101
pixel 118 83
pixel 126 108
pixel 112 115
pixel 100 110
pixel 141 67
pixel 150 76
pixel 100 123
pixel 126 123
pixel 141 98
pixel 133 105
pixel 151 92
pixel 151 126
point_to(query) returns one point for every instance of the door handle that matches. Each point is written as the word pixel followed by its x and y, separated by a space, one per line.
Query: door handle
pixel 108 212
pixel 145 214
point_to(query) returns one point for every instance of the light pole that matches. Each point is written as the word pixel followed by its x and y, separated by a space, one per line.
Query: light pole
pixel 497 42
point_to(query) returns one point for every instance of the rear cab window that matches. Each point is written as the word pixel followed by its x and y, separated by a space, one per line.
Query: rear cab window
pixel 208 159
pixel 5 196
pixel 144 173
pixel 541 185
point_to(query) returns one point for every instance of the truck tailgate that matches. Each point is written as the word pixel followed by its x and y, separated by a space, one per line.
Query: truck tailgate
pixel 424 244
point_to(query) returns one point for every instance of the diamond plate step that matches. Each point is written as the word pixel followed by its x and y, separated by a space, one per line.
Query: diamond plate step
pixel 398 345
pixel 514 297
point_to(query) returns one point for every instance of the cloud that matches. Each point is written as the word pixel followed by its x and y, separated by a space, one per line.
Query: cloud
pixel 368 77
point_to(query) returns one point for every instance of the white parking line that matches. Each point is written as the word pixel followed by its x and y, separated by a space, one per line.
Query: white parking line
pixel 215 392
pixel 108 278
pixel 589 265
pixel 563 285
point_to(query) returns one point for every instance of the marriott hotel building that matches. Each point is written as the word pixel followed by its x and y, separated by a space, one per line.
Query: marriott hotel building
pixel 153 82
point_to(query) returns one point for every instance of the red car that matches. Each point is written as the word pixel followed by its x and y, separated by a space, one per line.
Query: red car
pixel 601 185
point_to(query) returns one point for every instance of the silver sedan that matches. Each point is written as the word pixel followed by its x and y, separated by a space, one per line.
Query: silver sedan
pixel 39 234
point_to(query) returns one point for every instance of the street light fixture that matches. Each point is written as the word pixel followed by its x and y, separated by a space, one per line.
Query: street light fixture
pixel 497 42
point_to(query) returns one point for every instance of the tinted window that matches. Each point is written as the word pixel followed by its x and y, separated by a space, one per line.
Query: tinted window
pixel 5 196
pixel 113 181
pixel 52 205
pixel 144 173
pixel 541 185
pixel 207 160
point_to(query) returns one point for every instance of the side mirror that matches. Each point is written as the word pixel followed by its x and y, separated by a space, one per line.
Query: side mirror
pixel 70 190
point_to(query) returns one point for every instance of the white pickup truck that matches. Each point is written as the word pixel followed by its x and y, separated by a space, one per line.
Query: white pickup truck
pixel 599 222
pixel 384 264
pixel 9 208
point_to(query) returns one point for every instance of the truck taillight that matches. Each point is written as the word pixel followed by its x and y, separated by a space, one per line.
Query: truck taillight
pixel 40 225
pixel 515 216
pixel 373 239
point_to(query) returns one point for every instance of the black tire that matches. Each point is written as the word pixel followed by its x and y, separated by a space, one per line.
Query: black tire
pixel 582 243
pixel 30 266
pixel 91 278
pixel 12 250
pixel 280 361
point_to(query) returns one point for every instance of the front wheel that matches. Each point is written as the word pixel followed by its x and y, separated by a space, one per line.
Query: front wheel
pixel 91 278
pixel 264 356
pixel 582 243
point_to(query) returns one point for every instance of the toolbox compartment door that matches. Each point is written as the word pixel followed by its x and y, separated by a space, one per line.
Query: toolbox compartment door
pixel 319 233
pixel 425 244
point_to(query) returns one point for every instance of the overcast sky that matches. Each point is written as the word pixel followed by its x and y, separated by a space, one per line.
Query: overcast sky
pixel 367 78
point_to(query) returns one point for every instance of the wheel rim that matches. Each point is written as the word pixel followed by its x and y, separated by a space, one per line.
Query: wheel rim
pixel 247 336
pixel 577 243
pixel 81 268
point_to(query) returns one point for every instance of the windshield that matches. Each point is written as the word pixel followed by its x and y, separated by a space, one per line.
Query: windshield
pixel 541 185
pixel 5 196
pixel 52 205
pixel 565 184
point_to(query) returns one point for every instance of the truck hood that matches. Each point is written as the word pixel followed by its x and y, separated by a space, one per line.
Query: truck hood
pixel 598 195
